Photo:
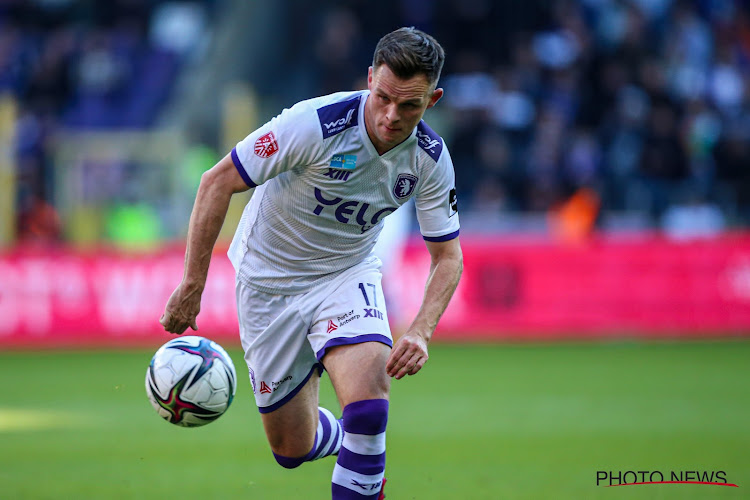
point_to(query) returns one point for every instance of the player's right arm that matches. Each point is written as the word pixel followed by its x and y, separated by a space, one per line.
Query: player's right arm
pixel 289 139
pixel 211 204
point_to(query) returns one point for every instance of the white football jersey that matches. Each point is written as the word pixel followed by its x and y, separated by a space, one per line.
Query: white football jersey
pixel 323 191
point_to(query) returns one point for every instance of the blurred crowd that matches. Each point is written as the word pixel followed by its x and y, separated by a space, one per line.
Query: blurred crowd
pixel 637 106
pixel 85 64
pixel 643 103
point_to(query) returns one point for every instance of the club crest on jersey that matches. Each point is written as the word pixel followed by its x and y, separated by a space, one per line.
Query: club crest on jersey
pixel 252 378
pixel 405 184
pixel 266 145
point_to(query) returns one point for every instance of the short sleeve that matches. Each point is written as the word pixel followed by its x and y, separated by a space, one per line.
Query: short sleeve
pixel 290 139
pixel 436 202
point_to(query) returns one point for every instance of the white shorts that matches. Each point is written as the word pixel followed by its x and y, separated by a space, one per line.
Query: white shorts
pixel 286 336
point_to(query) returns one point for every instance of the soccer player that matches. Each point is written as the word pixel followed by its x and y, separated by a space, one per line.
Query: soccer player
pixel 326 172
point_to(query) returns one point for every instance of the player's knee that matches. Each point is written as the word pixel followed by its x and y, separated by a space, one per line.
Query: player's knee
pixel 366 417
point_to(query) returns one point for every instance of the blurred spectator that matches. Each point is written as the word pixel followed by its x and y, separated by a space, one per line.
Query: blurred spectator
pixel 39 222
pixel 86 64
pixel 695 218
pixel 646 103
pixel 573 220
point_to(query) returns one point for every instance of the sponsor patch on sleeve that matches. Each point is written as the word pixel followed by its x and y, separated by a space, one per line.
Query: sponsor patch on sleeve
pixel 266 145
pixel 429 140
pixel 452 203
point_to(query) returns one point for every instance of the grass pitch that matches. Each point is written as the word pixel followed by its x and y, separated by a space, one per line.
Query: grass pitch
pixel 479 422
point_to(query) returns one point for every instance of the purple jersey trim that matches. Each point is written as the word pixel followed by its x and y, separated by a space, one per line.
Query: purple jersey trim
pixel 278 404
pixel 446 237
pixel 360 339
pixel 241 169
pixel 429 140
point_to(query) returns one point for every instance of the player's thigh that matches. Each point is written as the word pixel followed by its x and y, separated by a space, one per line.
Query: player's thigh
pixel 350 310
pixel 350 334
pixel 357 371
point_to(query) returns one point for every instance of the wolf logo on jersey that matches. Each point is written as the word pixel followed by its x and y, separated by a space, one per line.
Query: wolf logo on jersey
pixel 429 141
pixel 339 116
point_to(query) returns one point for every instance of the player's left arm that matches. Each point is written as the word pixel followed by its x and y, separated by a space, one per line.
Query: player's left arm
pixel 410 351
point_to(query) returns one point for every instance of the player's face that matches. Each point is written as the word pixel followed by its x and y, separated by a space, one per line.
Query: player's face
pixel 395 106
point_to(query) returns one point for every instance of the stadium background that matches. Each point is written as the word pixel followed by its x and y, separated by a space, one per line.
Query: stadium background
pixel 602 152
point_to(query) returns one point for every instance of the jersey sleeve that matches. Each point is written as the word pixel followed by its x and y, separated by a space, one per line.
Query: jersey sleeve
pixel 436 203
pixel 288 140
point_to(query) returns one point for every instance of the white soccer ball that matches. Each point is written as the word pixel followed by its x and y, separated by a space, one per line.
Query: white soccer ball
pixel 191 381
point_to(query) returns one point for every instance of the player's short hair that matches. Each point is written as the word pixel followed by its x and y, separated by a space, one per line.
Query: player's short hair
pixel 409 52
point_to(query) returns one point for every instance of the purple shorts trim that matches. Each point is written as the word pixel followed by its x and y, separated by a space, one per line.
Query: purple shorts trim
pixel 278 404
pixel 438 239
pixel 360 339
pixel 241 169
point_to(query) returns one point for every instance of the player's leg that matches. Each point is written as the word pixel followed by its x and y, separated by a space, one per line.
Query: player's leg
pixel 301 431
pixel 290 429
pixel 358 375
pixel 351 337
pixel 285 376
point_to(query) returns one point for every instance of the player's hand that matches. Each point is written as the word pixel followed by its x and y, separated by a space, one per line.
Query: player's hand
pixel 408 356
pixel 181 311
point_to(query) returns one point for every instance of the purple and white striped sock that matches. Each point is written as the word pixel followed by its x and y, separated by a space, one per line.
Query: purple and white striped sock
pixel 361 463
pixel 328 439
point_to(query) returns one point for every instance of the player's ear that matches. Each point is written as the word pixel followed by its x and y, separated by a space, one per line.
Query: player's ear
pixel 369 78
pixel 436 95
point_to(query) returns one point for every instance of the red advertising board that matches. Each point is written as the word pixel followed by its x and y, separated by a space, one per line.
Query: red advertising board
pixel 511 289
pixel 63 298
pixel 644 286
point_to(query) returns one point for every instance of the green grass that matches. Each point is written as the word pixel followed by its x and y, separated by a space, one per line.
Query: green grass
pixel 479 422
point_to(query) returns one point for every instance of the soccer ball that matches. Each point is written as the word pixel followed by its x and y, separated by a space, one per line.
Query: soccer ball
pixel 191 381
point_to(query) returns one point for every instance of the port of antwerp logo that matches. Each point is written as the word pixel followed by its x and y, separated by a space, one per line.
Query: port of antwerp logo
pixel 266 145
